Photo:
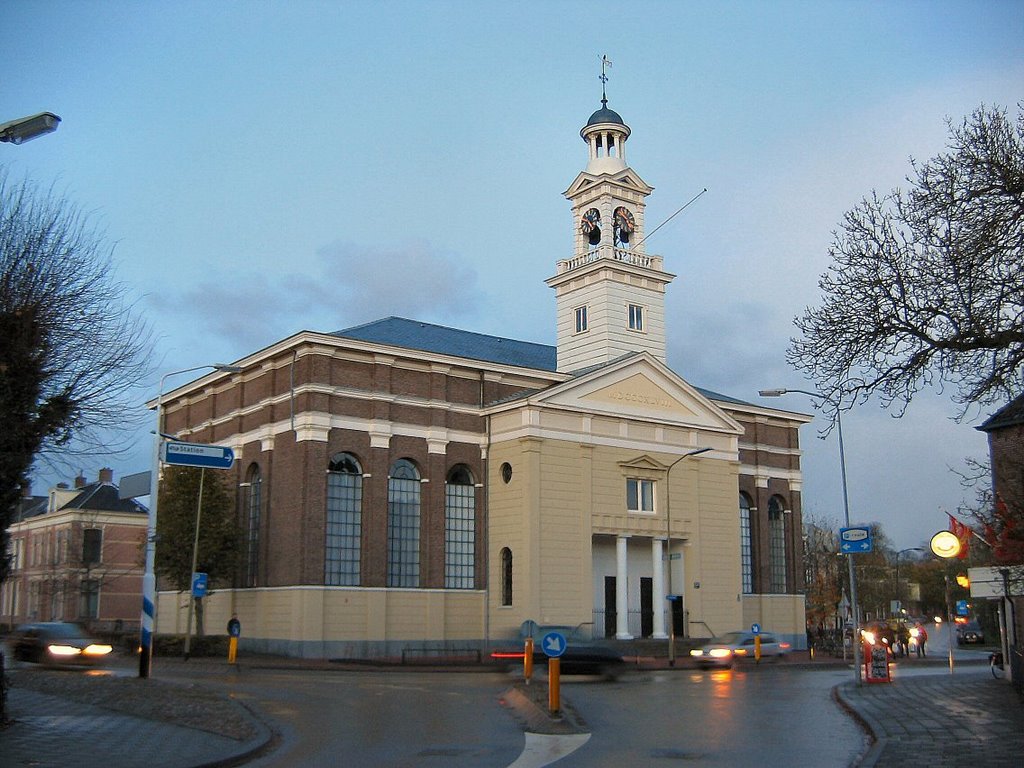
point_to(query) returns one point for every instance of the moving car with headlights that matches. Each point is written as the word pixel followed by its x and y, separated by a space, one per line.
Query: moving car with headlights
pixel 724 651
pixel 969 633
pixel 582 656
pixel 56 643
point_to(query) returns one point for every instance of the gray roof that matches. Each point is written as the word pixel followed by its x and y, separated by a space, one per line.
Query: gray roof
pixel 426 337
pixel 104 497
pixel 605 115
pixel 1009 415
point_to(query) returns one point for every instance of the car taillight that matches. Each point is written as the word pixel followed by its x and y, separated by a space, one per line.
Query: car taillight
pixel 508 654
pixel 783 646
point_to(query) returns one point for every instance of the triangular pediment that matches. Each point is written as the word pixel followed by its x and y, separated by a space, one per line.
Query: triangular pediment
pixel 644 463
pixel 627 178
pixel 643 388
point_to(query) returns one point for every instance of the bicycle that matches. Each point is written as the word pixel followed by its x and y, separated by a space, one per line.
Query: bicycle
pixel 995 665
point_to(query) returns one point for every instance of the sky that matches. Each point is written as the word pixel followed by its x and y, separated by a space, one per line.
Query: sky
pixel 261 168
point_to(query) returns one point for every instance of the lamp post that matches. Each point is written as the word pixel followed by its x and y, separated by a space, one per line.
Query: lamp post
pixel 149 576
pixel 27 128
pixel 846 515
pixel 668 536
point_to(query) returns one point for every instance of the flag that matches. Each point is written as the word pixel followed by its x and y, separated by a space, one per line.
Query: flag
pixel 963 533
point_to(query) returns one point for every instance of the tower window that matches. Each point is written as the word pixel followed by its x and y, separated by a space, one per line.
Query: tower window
pixel 636 317
pixel 581 319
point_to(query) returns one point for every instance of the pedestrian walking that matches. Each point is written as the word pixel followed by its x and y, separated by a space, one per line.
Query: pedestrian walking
pixel 922 638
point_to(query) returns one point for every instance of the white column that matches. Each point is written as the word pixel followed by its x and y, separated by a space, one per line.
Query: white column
pixel 621 590
pixel 660 603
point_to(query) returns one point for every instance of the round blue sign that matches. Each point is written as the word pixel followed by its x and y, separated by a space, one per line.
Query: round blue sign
pixel 553 644
pixel 755 628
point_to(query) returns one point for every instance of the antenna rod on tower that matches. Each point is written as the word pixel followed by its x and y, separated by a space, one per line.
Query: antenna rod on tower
pixel 605 64
pixel 666 221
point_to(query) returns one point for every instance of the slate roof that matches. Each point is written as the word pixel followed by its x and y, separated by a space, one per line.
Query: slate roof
pixel 104 497
pixel 32 506
pixel 1009 415
pixel 439 339
pixel 426 337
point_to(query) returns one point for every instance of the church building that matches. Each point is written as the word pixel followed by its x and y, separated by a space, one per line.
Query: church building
pixel 403 485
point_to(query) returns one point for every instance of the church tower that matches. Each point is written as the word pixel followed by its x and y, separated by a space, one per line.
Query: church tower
pixel 610 296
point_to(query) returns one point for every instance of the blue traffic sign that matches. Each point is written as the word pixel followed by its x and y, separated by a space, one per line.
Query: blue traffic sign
pixel 755 629
pixel 553 644
pixel 197 455
pixel 199 584
pixel 855 539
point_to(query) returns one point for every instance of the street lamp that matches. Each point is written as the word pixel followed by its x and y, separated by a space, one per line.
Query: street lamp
pixel 668 535
pixel 27 128
pixel 846 513
pixel 149 577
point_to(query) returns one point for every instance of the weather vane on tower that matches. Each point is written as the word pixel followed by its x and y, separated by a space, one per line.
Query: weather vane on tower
pixel 605 66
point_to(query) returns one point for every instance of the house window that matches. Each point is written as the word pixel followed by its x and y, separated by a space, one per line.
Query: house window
pixel 460 530
pixel 253 502
pixel 90 603
pixel 639 495
pixel 403 525
pixel 777 545
pixel 636 317
pixel 746 553
pixel 92 545
pixel 506 576
pixel 581 319
pixel 344 521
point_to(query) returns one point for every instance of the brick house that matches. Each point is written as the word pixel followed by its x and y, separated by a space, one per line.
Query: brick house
pixel 76 556
pixel 403 484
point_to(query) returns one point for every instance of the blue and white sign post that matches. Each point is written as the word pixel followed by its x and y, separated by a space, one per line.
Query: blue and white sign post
pixel 554 644
pixel 855 540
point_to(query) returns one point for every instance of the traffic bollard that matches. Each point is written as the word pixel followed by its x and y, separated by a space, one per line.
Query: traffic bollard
pixel 554 685
pixel 528 659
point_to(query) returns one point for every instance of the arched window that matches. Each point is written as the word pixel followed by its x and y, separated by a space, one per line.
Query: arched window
pixel 746 553
pixel 403 525
pixel 460 529
pixel 253 504
pixel 777 544
pixel 344 521
pixel 506 576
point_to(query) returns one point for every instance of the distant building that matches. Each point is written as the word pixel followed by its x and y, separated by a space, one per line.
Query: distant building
pixel 76 555
pixel 407 485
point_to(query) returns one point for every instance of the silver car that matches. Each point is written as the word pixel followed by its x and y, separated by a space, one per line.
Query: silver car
pixel 724 651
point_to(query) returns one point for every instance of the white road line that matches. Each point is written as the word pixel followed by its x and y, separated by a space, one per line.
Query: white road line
pixel 542 749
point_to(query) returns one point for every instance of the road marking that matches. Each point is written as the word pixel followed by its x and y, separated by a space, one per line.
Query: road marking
pixel 542 749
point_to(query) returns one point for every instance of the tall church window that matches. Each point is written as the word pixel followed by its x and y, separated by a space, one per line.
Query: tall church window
pixel 777 545
pixel 636 317
pixel 253 504
pixel 506 576
pixel 403 525
pixel 344 521
pixel 746 551
pixel 460 529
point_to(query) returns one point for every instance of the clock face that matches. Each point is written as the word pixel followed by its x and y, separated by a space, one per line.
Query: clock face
pixel 625 225
pixel 590 225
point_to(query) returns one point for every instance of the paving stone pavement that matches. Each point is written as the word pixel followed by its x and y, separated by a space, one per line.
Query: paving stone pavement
pixel 940 721
pixel 51 731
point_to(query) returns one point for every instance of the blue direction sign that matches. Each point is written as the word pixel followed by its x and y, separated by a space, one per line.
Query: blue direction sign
pixel 199 583
pixel 755 629
pixel 197 455
pixel 553 644
pixel 855 539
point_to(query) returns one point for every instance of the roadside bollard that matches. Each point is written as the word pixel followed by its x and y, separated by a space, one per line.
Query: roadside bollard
pixel 757 648
pixel 554 685
pixel 528 659
pixel 232 649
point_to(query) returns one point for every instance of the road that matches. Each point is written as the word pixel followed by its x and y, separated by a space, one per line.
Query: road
pixel 771 715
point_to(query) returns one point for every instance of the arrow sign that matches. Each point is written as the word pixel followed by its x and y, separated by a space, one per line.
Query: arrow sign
pixel 553 644
pixel 197 455
pixel 854 540
pixel 199 584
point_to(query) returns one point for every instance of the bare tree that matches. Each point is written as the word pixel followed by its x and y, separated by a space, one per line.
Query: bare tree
pixel 73 350
pixel 926 287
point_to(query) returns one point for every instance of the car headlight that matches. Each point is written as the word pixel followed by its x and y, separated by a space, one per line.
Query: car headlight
pixel 64 650
pixel 97 649
pixel 719 653
pixel 696 651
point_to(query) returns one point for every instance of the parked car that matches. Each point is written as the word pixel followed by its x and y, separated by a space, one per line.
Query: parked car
pixel 582 656
pixel 969 633
pixel 729 648
pixel 56 643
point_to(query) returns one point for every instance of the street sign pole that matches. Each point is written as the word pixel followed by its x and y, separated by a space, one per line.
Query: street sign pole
pixel 195 558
